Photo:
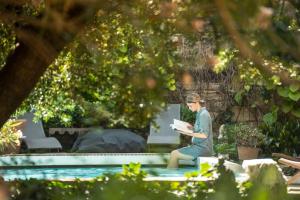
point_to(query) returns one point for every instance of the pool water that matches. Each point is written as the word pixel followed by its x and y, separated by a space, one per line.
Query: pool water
pixel 85 172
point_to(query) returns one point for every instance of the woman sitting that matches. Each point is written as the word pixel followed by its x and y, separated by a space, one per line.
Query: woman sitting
pixel 202 136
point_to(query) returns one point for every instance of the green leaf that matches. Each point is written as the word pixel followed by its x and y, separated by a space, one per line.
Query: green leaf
pixel 269 85
pixel 276 80
pixel 286 107
pixel 294 96
pixel 247 87
pixel 284 92
pixel 204 167
pixel 270 118
pixel 296 112
pixel 123 48
pixel 238 97
pixel 294 87
pixel 172 87
pixel 191 174
pixel 170 61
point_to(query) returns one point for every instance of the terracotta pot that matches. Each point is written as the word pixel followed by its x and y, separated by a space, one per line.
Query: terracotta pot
pixel 247 153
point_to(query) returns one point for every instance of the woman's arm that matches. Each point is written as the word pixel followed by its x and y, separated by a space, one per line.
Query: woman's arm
pixel 197 135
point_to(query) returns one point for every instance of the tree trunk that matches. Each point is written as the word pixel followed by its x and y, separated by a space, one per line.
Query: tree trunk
pixel 19 76
pixel 37 48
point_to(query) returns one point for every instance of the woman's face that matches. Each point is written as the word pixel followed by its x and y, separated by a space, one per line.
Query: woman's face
pixel 193 106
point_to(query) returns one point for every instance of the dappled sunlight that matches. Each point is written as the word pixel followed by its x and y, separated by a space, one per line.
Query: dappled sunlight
pixel 109 83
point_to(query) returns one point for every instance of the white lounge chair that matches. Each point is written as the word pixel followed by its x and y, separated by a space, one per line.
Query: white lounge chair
pixel 164 134
pixel 34 135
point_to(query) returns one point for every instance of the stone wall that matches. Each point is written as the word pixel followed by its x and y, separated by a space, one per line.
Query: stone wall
pixel 198 59
pixel 214 99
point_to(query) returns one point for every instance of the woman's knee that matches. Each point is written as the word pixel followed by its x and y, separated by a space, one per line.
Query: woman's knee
pixel 174 154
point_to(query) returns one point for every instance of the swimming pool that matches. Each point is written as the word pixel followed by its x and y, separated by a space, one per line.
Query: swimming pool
pixel 66 166
pixel 70 173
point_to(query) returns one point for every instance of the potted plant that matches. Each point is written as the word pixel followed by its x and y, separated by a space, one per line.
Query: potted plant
pixel 248 139
pixel 10 135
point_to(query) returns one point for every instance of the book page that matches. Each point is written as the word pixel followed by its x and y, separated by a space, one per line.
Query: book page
pixel 181 123
pixel 181 126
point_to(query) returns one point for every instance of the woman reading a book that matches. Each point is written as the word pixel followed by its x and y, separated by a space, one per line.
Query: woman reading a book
pixel 202 136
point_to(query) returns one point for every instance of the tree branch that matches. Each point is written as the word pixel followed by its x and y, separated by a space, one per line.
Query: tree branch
pixel 245 50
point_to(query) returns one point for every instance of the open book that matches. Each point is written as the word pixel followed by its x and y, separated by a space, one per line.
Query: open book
pixel 181 126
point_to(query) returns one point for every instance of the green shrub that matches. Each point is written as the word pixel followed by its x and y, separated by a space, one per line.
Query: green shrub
pixel 187 115
pixel 224 148
pixel 10 136
pixel 283 136
pixel 226 143
pixel 129 185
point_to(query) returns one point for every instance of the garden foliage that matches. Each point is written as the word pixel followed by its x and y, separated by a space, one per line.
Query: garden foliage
pixel 130 185
pixel 125 61
pixel 282 136
pixel 10 137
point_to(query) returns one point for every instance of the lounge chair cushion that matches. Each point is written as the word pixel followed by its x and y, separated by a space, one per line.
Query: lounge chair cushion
pixel 110 141
pixel 42 143
pixel 160 131
pixel 34 135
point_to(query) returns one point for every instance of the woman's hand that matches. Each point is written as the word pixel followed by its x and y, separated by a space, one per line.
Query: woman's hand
pixel 184 133
pixel 190 126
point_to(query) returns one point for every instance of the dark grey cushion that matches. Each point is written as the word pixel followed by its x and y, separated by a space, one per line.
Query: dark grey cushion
pixel 109 141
